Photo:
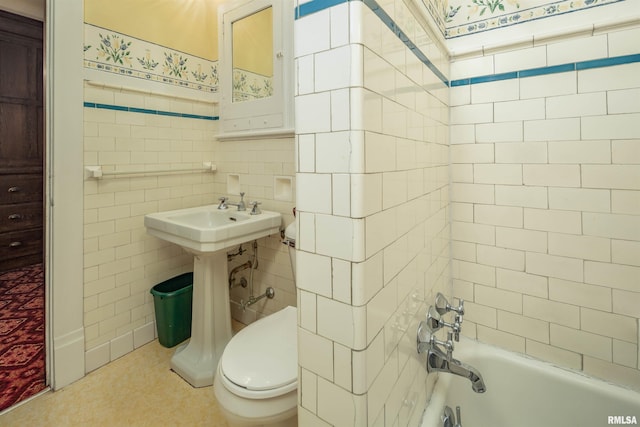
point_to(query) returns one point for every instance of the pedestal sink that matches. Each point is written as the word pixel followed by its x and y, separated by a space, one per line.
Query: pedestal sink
pixel 208 233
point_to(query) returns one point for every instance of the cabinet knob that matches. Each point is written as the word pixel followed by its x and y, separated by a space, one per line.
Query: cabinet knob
pixel 15 244
pixel 15 217
pixel 13 189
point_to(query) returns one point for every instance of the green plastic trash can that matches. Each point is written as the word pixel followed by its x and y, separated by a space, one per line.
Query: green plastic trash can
pixel 172 300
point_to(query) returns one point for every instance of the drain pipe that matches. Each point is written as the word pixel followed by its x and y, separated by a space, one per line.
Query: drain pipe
pixel 269 293
pixel 232 275
pixel 254 258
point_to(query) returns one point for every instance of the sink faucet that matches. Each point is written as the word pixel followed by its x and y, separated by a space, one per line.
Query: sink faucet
pixel 439 361
pixel 224 203
pixel 241 206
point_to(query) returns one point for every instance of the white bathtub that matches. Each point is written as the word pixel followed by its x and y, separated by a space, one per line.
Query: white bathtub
pixel 522 392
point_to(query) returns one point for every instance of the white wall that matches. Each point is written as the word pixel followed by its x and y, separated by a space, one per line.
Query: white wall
pixel 546 203
pixel 372 198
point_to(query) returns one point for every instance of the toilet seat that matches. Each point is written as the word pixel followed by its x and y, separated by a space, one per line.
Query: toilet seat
pixel 260 361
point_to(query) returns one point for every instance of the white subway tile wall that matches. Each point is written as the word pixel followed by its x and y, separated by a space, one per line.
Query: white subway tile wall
pixel 373 204
pixel 546 205
pixel 121 261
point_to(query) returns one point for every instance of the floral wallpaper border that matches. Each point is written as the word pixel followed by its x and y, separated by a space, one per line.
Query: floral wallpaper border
pixel 111 52
pixel 248 85
pixel 457 18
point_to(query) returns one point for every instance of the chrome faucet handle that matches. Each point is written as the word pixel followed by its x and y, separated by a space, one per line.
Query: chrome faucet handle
pixel 443 306
pixel 441 303
pixel 424 337
pixel 424 332
pixel 223 202
pixel 435 322
pixel 433 319
pixel 426 340
pixel 458 319
pixel 448 344
pixel 255 210
pixel 457 326
pixel 448 419
pixel 460 308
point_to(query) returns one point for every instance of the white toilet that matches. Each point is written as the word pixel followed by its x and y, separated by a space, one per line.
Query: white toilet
pixel 256 382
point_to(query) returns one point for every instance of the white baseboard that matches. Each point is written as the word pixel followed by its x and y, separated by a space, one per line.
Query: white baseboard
pixel 108 352
pixel 68 359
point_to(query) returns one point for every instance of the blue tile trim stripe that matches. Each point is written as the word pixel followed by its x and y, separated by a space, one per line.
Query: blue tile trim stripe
pixel 608 62
pixel 563 68
pixel 386 19
pixel 490 78
pixel 147 111
pixel 318 5
pixel 546 70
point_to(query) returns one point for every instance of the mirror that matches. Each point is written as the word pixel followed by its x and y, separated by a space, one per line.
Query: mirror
pixel 252 57
pixel 256 69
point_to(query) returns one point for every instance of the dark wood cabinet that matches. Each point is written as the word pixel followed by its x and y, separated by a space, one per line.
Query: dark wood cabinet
pixel 21 141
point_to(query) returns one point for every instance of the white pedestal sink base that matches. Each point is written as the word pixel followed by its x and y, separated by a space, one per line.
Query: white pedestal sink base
pixel 197 360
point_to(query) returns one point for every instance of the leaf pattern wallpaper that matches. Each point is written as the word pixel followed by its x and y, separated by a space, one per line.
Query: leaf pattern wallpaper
pixel 456 18
pixel 110 52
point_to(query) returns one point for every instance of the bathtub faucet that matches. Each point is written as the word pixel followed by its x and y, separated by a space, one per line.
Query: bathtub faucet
pixel 435 322
pixel 427 341
pixel 439 361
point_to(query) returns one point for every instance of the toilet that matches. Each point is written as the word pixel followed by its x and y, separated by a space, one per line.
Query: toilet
pixel 256 382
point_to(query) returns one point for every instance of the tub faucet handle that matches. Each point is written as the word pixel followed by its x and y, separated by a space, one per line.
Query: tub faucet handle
pixel 460 308
pixel 458 417
pixel 423 338
pixel 443 306
pixel 435 322
pixel 448 344
pixel 433 319
pixel 457 326
pixel 426 340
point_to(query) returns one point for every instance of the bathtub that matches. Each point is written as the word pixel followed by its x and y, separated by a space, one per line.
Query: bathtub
pixel 524 392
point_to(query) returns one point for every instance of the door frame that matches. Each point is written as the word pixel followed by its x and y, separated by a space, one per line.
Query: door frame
pixel 64 175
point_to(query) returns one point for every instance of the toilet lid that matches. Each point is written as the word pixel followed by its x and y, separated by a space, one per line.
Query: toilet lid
pixel 264 355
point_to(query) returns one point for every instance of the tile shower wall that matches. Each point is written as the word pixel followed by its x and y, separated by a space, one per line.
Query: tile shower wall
pixel 122 262
pixel 372 199
pixel 546 202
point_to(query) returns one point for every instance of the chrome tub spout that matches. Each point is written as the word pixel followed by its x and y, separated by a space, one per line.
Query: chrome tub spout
pixel 437 361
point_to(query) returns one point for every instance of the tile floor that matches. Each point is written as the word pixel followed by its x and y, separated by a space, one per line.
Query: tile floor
pixel 138 389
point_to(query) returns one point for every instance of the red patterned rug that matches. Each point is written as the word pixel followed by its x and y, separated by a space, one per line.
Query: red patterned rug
pixel 22 334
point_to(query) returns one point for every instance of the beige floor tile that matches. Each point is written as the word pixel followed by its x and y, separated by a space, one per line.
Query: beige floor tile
pixel 138 389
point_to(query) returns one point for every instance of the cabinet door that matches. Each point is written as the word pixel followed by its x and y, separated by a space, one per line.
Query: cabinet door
pixel 21 101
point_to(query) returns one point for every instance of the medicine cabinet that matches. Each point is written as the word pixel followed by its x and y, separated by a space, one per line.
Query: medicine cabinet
pixel 256 63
